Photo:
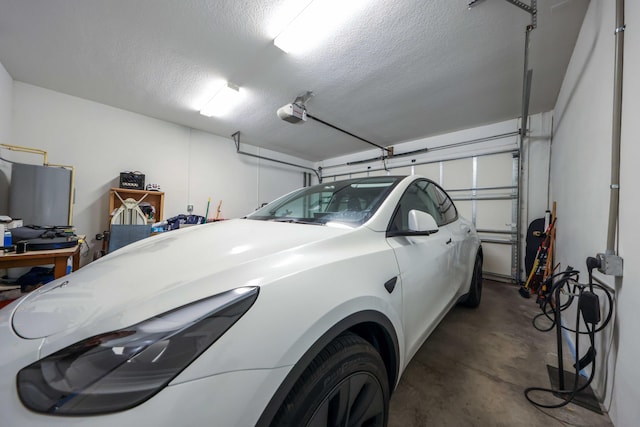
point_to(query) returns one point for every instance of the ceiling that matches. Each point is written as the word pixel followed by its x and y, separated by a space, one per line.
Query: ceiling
pixel 398 70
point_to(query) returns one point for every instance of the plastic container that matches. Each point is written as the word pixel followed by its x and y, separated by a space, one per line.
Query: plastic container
pixel 7 238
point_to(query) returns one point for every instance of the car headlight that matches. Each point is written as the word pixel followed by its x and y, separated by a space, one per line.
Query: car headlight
pixel 121 369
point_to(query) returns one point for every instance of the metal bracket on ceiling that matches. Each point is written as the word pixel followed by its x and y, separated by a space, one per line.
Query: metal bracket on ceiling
pixel 302 99
pixel 531 9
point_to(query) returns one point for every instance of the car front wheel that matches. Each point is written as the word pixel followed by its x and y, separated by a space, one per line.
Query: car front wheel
pixel 345 385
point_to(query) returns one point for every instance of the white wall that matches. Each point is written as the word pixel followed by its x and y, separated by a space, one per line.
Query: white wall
pixel 626 391
pixel 6 97
pixel 102 141
pixel 581 156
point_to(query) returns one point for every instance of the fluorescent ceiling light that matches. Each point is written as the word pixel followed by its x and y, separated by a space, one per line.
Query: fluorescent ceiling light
pixel 223 101
pixel 314 23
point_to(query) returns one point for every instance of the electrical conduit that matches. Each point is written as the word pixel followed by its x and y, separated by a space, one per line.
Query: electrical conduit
pixel 617 127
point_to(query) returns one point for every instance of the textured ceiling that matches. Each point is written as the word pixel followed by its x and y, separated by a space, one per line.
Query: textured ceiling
pixel 397 70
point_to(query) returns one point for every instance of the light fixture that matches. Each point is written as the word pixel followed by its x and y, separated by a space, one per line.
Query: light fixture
pixel 225 98
pixel 314 22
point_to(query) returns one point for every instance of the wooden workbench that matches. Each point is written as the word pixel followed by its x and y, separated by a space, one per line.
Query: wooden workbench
pixel 57 257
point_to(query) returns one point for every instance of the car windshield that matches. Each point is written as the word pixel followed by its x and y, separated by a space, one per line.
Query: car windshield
pixel 349 202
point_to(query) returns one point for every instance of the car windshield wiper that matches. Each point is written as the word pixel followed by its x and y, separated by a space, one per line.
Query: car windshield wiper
pixel 295 221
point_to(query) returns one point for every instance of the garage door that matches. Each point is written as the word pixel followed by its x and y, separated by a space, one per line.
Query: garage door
pixel 485 190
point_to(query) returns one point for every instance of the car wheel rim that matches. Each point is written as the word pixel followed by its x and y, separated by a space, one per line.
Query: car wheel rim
pixel 357 401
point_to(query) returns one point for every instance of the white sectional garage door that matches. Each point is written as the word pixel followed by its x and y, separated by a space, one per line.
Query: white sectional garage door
pixel 485 190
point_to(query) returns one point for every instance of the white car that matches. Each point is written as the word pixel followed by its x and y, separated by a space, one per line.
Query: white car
pixel 304 313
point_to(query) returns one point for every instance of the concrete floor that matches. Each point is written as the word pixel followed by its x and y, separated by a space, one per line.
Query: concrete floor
pixel 473 369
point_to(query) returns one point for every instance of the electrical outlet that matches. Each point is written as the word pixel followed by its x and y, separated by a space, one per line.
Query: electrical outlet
pixel 190 208
pixel 610 264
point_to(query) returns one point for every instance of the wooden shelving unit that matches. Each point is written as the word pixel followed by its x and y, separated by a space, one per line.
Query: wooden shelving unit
pixel 154 198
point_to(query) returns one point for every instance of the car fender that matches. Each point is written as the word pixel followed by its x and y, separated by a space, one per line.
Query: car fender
pixel 285 321
pixel 362 317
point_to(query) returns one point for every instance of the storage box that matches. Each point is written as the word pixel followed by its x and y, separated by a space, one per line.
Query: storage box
pixel 132 180
pixel 15 224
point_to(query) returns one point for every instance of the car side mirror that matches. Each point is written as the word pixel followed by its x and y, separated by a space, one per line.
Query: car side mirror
pixel 422 222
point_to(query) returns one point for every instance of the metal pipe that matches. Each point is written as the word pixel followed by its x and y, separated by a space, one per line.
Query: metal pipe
pixel 474 192
pixel 472 141
pixel 526 92
pixel 614 199
pixel 510 232
pixel 480 189
pixel 497 241
pixel 236 140
pixel 497 276
pixel 45 161
pixel 515 207
pixel 469 198
pixel 549 165
pixel 417 163
pixel 423 150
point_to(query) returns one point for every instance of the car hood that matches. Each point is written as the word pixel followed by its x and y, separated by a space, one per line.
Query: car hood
pixel 167 271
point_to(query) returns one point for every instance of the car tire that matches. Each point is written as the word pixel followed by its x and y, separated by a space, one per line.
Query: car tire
pixel 472 299
pixel 346 385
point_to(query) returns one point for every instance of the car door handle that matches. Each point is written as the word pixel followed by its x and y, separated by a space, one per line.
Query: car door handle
pixel 449 241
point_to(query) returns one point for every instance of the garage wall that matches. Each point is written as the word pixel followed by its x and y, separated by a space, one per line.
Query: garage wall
pixel 101 141
pixel 580 183
pixel 6 96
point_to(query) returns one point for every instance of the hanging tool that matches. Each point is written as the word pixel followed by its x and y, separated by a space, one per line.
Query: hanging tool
pixel 217 218
pixel 206 215
pixel 548 271
pixel 535 279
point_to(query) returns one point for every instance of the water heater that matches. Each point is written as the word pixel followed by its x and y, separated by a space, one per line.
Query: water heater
pixel 40 195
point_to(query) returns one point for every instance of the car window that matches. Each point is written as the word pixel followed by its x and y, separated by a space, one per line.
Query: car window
pixel 304 206
pixel 446 206
pixel 350 202
pixel 422 196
